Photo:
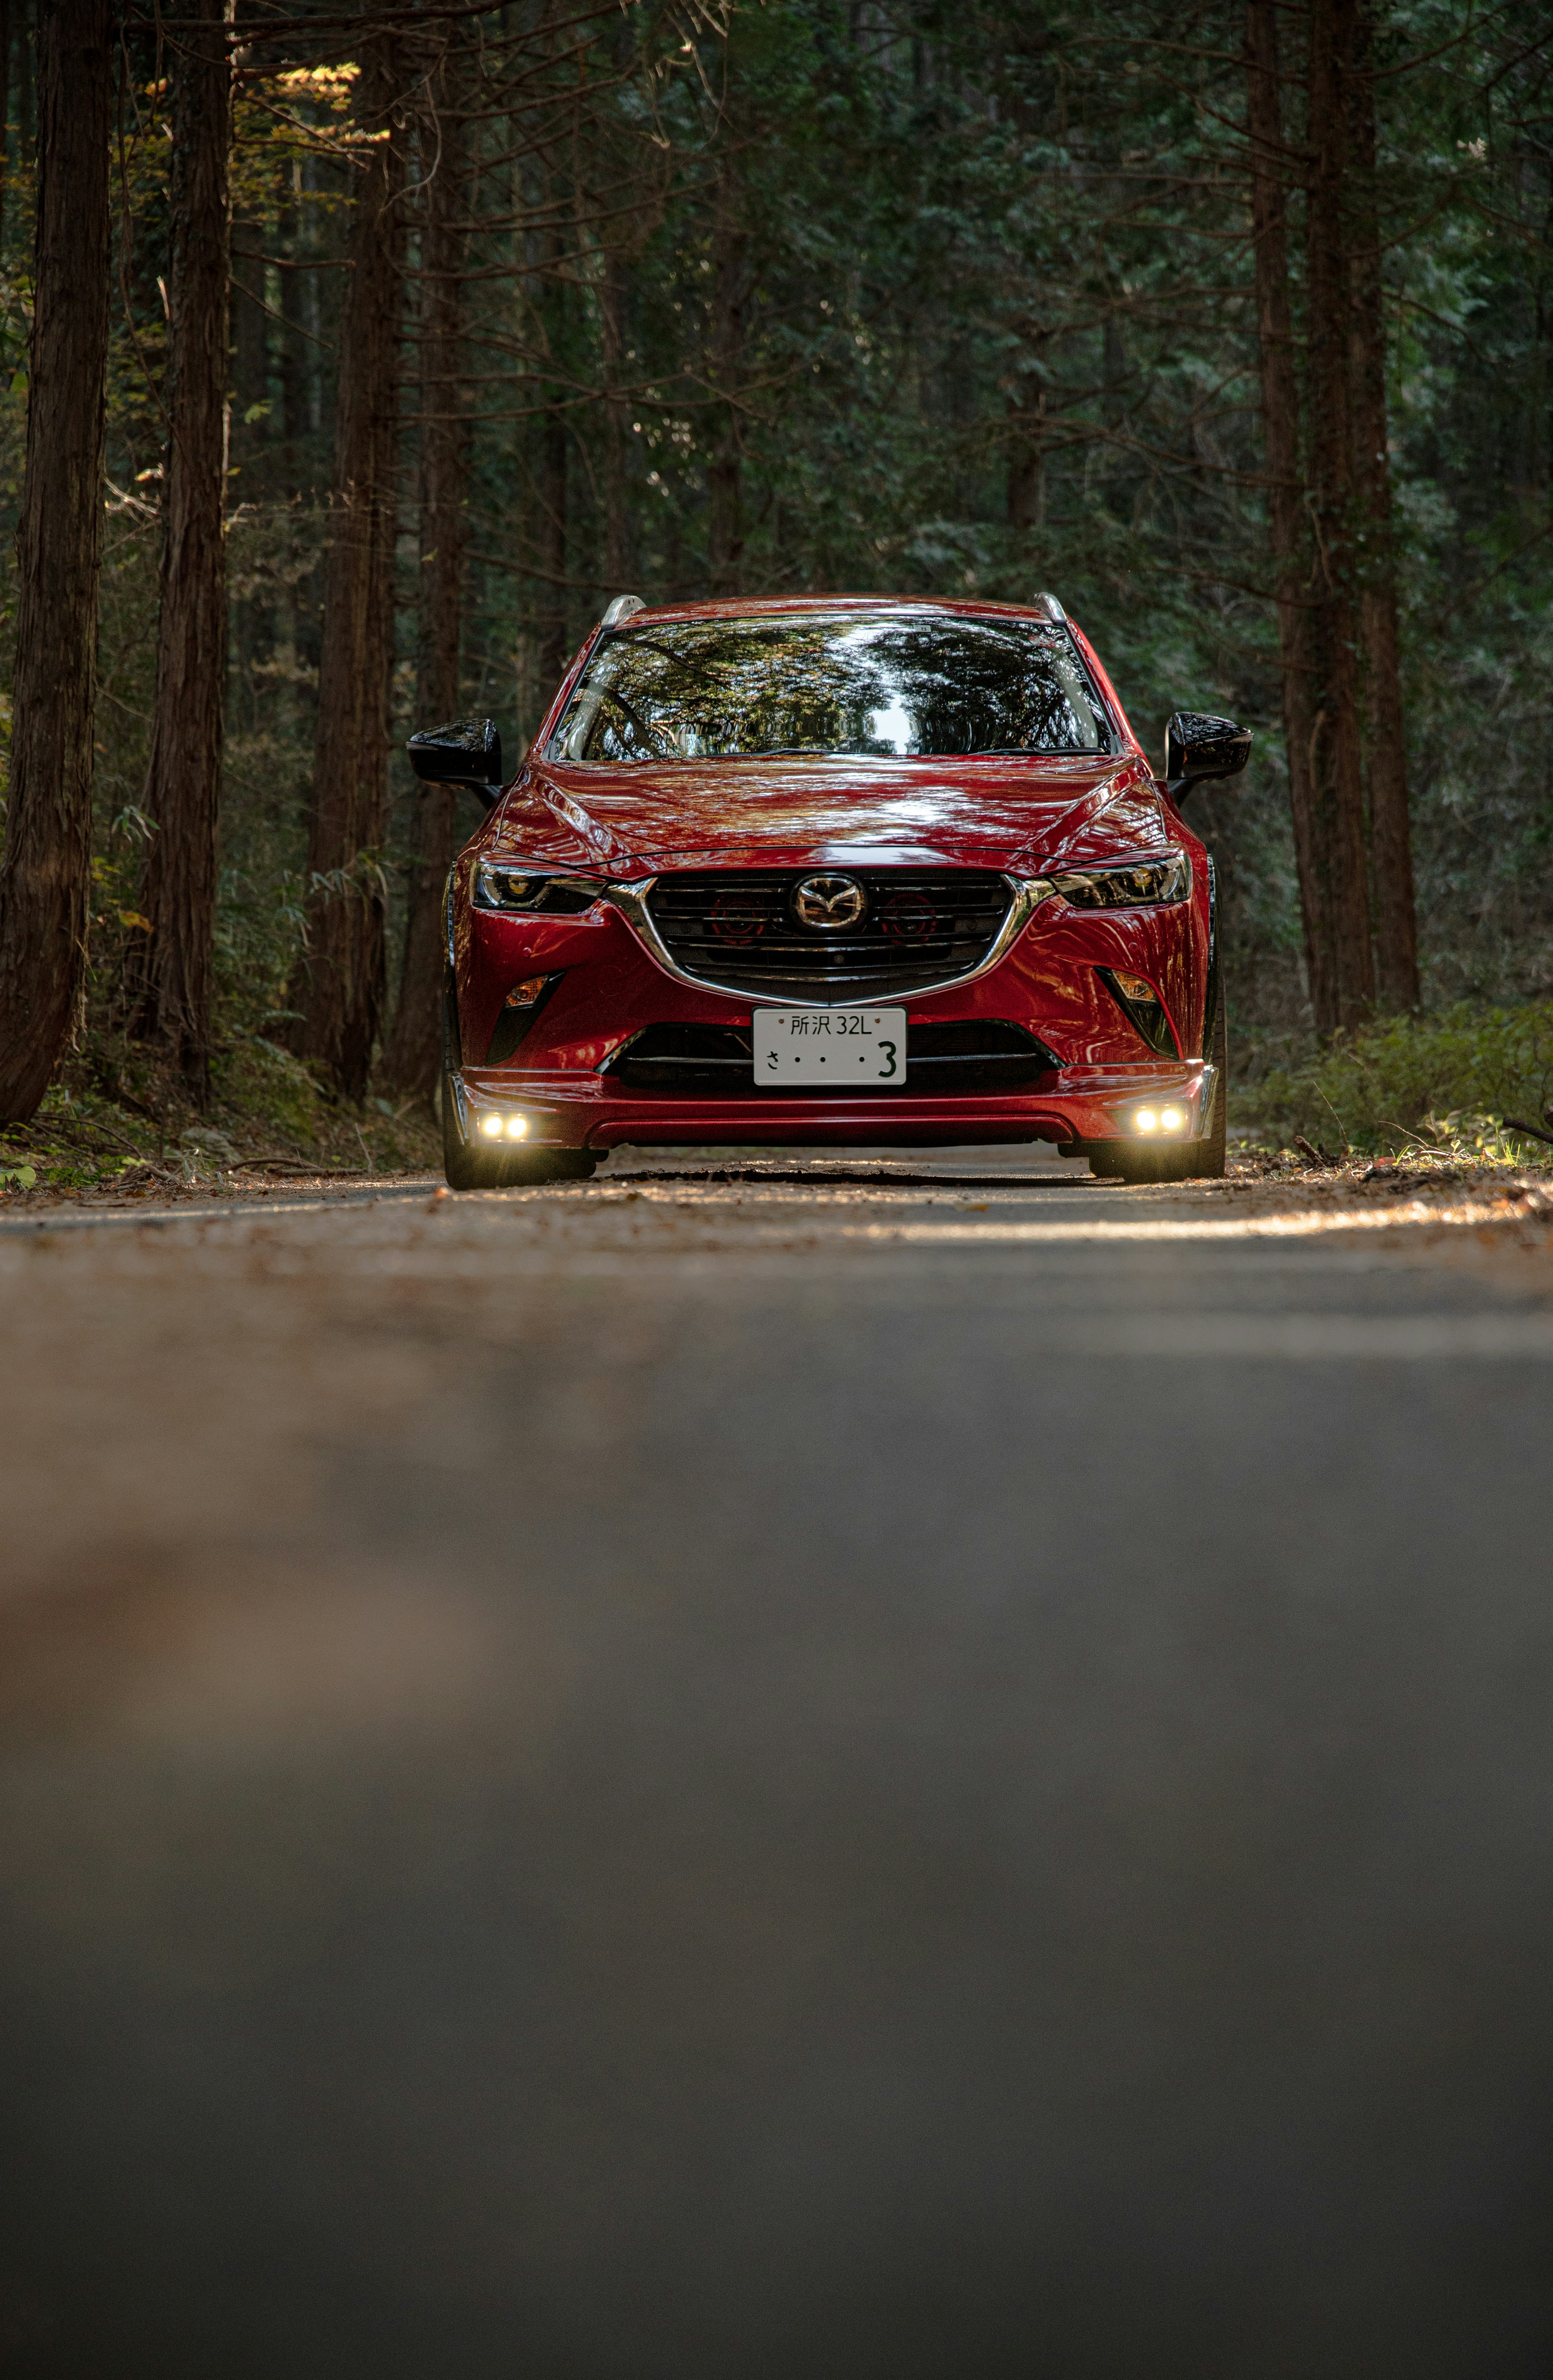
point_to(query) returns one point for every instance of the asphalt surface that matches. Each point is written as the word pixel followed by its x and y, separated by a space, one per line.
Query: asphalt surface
pixel 777 1780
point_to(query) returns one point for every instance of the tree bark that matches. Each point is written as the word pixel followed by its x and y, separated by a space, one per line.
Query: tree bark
pixel 46 867
pixel 27 42
pixel 725 470
pixel 554 646
pixel 295 417
pixel 342 989
pixel 183 779
pixel 550 480
pixel 1337 760
pixel 412 1061
pixel 620 545
pixel 1288 537
pixel 251 365
pixel 1396 920
pixel 5 105
pixel 1025 423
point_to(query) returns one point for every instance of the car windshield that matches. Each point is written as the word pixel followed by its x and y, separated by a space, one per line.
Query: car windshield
pixel 887 687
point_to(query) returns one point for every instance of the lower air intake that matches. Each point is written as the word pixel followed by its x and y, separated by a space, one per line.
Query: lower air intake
pixel 717 1062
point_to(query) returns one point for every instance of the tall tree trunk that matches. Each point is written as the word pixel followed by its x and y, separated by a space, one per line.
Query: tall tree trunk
pixel 1396 922
pixel 413 1056
pixel 248 441
pixel 27 79
pixel 342 999
pixel 620 544
pixel 1286 518
pixel 250 348
pixel 551 483
pixel 5 103
pixel 1336 746
pixel 730 247
pixel 46 866
pixel 182 780
pixel 1025 425
pixel 293 364
pixel 554 647
pixel 1113 366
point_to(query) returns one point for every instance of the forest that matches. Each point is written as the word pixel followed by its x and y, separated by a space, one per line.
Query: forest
pixel 355 359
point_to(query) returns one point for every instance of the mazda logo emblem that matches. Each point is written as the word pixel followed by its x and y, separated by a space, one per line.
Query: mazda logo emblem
pixel 828 903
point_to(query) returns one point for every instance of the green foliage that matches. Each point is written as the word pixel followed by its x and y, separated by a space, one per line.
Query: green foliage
pixel 965 296
pixel 113 1120
pixel 1446 1080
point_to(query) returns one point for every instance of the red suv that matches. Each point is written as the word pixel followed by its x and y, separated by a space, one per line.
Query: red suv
pixel 834 870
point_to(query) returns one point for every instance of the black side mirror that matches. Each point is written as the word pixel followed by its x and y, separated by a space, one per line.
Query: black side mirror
pixel 1198 746
pixel 466 753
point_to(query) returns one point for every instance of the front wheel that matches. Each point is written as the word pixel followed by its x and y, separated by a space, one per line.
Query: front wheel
pixel 1211 1148
pixel 469 1166
pixel 1192 1161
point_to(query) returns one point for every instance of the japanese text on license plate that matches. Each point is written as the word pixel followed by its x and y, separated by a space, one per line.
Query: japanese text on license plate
pixel 797 1046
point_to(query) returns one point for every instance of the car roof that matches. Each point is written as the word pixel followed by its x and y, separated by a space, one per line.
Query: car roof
pixel 739 607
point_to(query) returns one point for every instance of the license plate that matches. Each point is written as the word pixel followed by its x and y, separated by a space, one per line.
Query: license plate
pixel 830 1045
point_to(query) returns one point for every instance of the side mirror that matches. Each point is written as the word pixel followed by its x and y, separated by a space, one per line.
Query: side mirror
pixel 1198 746
pixel 466 753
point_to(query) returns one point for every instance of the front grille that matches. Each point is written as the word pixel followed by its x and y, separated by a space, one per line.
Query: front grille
pixel 718 1062
pixel 920 927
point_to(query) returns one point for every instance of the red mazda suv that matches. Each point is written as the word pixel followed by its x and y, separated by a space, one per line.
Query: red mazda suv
pixel 833 869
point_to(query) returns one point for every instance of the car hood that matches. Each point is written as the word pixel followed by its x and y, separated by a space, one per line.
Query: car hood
pixel 1025 815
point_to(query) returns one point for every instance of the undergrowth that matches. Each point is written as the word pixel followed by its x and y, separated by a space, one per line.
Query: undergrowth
pixel 115 1118
pixel 117 1115
pixel 1456 1082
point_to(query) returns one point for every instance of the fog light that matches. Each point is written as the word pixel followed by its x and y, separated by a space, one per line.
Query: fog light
pixel 491 1127
pixel 1172 1120
pixel 1147 1121
pixel 517 1127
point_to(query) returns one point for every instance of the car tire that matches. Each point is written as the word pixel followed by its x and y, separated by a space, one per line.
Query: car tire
pixel 468 1167
pixel 1194 1160
pixel 1210 1151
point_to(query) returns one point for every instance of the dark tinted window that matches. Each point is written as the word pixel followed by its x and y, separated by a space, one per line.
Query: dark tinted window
pixel 887 684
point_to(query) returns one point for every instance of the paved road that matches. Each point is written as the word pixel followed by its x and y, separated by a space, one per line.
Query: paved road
pixel 760 1780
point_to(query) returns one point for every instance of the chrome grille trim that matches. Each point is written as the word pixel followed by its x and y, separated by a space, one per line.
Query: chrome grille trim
pixel 1027 893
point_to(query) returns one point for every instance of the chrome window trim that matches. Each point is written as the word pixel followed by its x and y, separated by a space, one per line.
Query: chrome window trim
pixel 1027 893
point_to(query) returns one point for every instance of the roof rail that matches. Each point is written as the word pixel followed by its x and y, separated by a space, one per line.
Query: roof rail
pixel 1051 606
pixel 621 609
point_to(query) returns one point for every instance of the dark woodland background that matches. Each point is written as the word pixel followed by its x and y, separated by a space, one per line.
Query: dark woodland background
pixel 821 294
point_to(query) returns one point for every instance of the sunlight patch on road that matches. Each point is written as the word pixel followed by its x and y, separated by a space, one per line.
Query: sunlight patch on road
pixel 1304 1225
pixel 1313 1338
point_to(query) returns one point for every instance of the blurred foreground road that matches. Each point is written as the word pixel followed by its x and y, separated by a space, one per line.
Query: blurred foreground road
pixel 777 1780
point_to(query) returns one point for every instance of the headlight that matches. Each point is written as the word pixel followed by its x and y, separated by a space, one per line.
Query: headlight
pixel 1143 884
pixel 518 892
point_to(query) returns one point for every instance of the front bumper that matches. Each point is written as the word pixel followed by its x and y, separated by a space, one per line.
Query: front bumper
pixel 590 1110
